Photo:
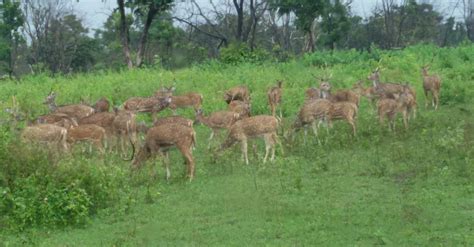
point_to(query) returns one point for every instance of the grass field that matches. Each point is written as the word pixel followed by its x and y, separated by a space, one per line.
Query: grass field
pixel 410 187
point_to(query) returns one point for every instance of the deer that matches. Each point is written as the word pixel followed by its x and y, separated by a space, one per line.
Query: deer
pixel 310 112
pixel 343 111
pixel 368 92
pixel 389 107
pixel 216 121
pixel 77 111
pixel 102 105
pixel 387 87
pixel 124 127
pixel 87 132
pixel 252 127
pixel 312 93
pixel 58 119
pixel 160 139
pixel 152 104
pixel 174 120
pixel 240 107
pixel 338 96
pixel 187 100
pixel 237 93
pixel 49 134
pixel 431 84
pixel 274 97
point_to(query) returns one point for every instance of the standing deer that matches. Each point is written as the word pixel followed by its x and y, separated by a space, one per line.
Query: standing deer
pixel 240 107
pixel 153 104
pixel 217 121
pixel 160 139
pixel 48 134
pixel 274 97
pixel 338 96
pixel 389 107
pixel 312 93
pixel 253 127
pixel 344 111
pixel 431 84
pixel 87 132
pixel 174 120
pixel 187 100
pixel 237 93
pixel 77 111
pixel 310 112
pixel 124 127
pixel 367 92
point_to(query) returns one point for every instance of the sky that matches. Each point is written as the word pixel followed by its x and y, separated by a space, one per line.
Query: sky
pixel 95 12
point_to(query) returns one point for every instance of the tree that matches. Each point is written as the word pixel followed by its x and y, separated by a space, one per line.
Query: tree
pixel 148 8
pixel 306 12
pixel 335 23
pixel 11 20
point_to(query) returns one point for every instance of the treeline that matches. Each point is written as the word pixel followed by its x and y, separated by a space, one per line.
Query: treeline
pixel 48 36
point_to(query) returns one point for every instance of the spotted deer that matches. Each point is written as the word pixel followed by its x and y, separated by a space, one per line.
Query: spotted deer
pixel 237 93
pixel 217 121
pixel 160 139
pixel 152 104
pixel 89 133
pixel 346 111
pixel 174 120
pixel 102 105
pixel 124 127
pixel 77 111
pixel 193 100
pixel 59 119
pixel 312 114
pixel 390 107
pixel 49 134
pixel 368 92
pixel 274 97
pixel 253 127
pixel 312 93
pixel 339 96
pixel 243 108
pixel 431 85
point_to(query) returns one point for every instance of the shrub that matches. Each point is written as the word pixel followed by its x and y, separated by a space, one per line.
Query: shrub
pixel 240 53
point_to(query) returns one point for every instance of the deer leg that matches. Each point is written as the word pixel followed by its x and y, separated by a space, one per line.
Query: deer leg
pixel 436 98
pixel 405 119
pixel 305 134
pixel 167 165
pixel 315 131
pixel 210 138
pixel 267 147
pixel 244 151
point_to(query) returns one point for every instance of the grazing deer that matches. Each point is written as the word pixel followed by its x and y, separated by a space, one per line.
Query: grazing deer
pixel 102 105
pixel 240 107
pixel 274 97
pixel 77 111
pixel 237 93
pixel 217 121
pixel 310 112
pixel 343 111
pixel 153 104
pixel 124 127
pixel 338 96
pixel 174 120
pixel 58 119
pixel 431 84
pixel 253 127
pixel 160 139
pixel 388 107
pixel 87 132
pixel 187 100
pixel 49 134
pixel 312 93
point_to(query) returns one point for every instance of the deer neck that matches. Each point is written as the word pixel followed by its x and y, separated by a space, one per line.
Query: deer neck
pixel 325 94
pixel 52 106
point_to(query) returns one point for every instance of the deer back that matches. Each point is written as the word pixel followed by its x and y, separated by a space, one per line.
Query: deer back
pixel 173 120
pixel 102 105
pixel 86 132
pixel 237 93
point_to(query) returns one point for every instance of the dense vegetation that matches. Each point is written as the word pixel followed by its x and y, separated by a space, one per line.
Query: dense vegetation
pixel 408 187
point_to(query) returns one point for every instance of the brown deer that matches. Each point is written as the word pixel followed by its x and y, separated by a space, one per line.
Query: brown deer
pixel 87 132
pixel 77 111
pixel 160 139
pixel 274 97
pixel 338 96
pixel 48 134
pixel 431 84
pixel 368 92
pixel 387 87
pixel 312 93
pixel 343 111
pixel 253 127
pixel 174 120
pixel 310 112
pixel 124 127
pixel 58 119
pixel 187 100
pixel 102 105
pixel 240 107
pixel 388 107
pixel 237 93
pixel 148 104
pixel 216 121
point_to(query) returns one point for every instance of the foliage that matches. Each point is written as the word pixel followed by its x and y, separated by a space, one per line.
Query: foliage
pixel 240 53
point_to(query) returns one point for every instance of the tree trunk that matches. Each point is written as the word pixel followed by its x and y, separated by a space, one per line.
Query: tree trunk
pixel 239 7
pixel 124 35
pixel 143 38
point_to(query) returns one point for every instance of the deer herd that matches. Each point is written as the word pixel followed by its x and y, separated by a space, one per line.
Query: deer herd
pixel 67 125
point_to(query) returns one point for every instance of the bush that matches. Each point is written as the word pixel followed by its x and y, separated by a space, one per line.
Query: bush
pixel 240 53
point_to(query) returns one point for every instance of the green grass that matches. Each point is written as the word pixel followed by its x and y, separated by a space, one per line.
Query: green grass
pixel 405 188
